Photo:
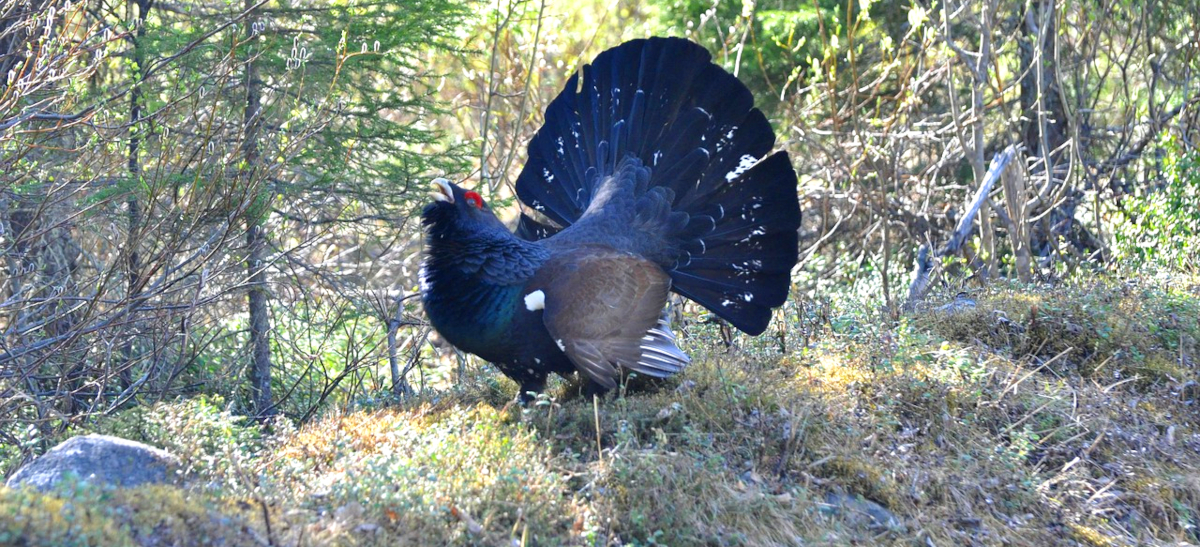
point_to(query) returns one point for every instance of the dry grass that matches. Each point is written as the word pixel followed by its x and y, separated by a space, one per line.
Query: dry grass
pixel 1058 416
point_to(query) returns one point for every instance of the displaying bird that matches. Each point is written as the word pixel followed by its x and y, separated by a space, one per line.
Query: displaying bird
pixel 653 170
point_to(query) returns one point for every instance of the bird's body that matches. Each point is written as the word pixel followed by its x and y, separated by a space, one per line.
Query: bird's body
pixel 653 170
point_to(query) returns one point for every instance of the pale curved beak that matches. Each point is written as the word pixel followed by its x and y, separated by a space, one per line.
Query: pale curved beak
pixel 442 191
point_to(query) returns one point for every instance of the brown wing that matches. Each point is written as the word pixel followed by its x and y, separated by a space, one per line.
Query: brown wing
pixel 604 310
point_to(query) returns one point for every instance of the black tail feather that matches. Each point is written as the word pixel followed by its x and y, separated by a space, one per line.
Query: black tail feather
pixel 530 229
pixel 695 127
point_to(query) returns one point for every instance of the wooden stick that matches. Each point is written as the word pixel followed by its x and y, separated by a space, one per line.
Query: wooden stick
pixel 997 166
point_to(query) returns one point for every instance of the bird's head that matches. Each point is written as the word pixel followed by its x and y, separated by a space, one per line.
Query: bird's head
pixel 455 212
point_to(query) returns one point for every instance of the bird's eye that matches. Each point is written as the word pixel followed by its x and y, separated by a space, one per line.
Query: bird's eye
pixel 474 199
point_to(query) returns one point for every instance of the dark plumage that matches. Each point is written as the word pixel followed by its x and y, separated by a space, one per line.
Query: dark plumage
pixel 652 171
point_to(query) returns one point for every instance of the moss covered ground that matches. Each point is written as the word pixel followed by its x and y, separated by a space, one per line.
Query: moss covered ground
pixel 1012 415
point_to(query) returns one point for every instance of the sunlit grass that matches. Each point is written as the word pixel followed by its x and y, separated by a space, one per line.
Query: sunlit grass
pixel 944 428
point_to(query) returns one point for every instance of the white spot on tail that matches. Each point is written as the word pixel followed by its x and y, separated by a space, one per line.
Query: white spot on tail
pixel 744 165
pixel 561 347
pixel 758 231
pixel 535 300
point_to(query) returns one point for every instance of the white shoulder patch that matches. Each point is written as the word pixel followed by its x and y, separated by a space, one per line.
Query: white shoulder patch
pixel 535 300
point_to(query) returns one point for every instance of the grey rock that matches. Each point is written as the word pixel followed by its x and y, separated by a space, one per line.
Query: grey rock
pixel 861 512
pixel 960 303
pixel 99 460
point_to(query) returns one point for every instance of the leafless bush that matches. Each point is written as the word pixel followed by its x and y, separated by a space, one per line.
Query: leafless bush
pixel 895 125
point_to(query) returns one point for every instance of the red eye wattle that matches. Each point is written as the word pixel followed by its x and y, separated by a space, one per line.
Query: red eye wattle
pixel 474 199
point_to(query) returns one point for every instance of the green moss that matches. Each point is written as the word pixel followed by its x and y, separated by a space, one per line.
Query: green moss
pixel 146 515
pixel 1104 328
pixel 73 519
pixel 861 477
pixel 168 515
pixel 438 475
pixel 677 499
pixel 1089 536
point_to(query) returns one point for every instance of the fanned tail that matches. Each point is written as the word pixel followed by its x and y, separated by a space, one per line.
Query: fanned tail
pixel 694 126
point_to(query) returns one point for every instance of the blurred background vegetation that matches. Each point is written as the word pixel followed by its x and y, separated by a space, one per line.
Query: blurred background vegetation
pixel 218 200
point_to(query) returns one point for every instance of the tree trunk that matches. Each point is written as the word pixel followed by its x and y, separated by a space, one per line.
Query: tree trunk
pixel 260 323
pixel 1044 122
pixel 1016 197
pixel 256 242
pixel 1044 128
pixel 134 206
